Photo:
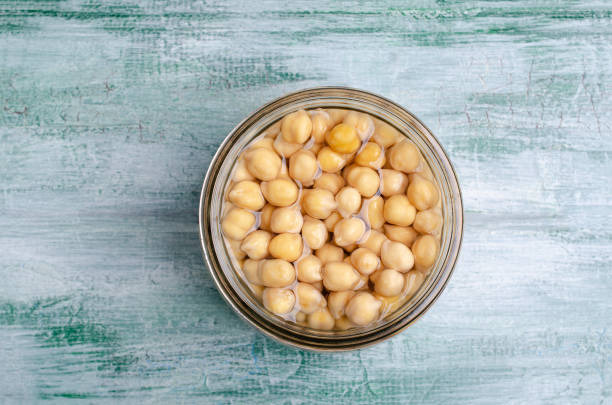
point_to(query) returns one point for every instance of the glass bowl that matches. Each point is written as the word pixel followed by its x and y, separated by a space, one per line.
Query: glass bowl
pixel 219 260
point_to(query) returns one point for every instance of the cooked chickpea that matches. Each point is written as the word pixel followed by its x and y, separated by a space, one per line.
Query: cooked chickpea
pixel 321 319
pixel 343 139
pixel 241 173
pixel 315 148
pixel 425 250
pixel 278 300
pixel 399 211
pixel 385 135
pixel 423 194
pixel 330 161
pixel 371 156
pixel 427 221
pixel 336 302
pixel 286 246
pixel 347 170
pixel 362 123
pixel 393 182
pixel 318 203
pixel 296 127
pixel 343 323
pixel 329 253
pixel 376 216
pixel 247 194
pixel 273 130
pixel 257 291
pixel 413 280
pixel 280 192
pixel 284 148
pixel 340 276
pixel 404 156
pixel 395 255
pixel 331 221
pixel 255 245
pixel 363 309
pixel 303 167
pixel 237 223
pixel 235 247
pixel 349 201
pixel 389 283
pixel 266 216
pixel 250 268
pixel 337 114
pixel 321 123
pixel 365 261
pixel 365 180
pixel 309 269
pixel 350 248
pixel 314 232
pixel 348 231
pixel 286 220
pixel 263 163
pixel 309 298
pixel 403 234
pixel 318 285
pixel 267 142
pixel 300 317
pixel 374 241
pixel 276 273
pixel 331 182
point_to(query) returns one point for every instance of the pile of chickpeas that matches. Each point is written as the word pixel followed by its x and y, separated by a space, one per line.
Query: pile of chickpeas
pixel 333 218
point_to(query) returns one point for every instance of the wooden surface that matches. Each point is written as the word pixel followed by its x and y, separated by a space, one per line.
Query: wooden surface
pixel 111 111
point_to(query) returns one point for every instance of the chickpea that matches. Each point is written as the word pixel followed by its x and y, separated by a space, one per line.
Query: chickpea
pixel 365 180
pixel 314 233
pixel 284 172
pixel 371 156
pixel 321 319
pixel 365 261
pixel 374 241
pixel 389 283
pixel 343 323
pixel 343 139
pixel 329 253
pixel 340 276
pixel 399 211
pixel 348 200
pixel 309 298
pixel 284 148
pixel 286 246
pixel 315 148
pixel 237 223
pixel 280 192
pixel 336 114
pixel 273 130
pixel 427 221
pixel 255 245
pixel 267 142
pixel 363 309
pixel 300 317
pixel 331 182
pixel 350 248
pixel 303 167
pixel 393 182
pixel 309 269
pixel 385 135
pixel 330 161
pixel 234 245
pixel 362 123
pixel 257 291
pixel 241 173
pixel 286 220
pixel 395 255
pixel 337 300
pixel 425 249
pixel 347 170
pixel 278 300
pixel 250 269
pixel 321 123
pixel 276 273
pixel 348 231
pixel 331 221
pixel 318 203
pixel 247 194
pixel 296 127
pixel 266 216
pixel 403 234
pixel 376 212
pixel 404 156
pixel 413 280
pixel 263 163
pixel 423 194
pixel 318 285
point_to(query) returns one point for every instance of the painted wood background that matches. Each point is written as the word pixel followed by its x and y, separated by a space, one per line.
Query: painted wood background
pixel 111 111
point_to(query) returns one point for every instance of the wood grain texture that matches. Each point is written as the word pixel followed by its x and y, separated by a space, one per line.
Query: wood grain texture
pixel 111 112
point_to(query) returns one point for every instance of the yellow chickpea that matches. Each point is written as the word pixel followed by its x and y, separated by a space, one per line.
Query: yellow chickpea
pixel 309 269
pixel 330 161
pixel 280 192
pixel 343 323
pixel 276 273
pixel 257 291
pixel 264 164
pixel 343 139
pixel 348 231
pixel 365 180
pixel 365 261
pixel 371 156
pixel 385 135
pixel 413 280
pixel 340 276
pixel 318 203
pixel 395 255
pixel 363 309
pixel 393 182
pixel 329 253
pixel 303 167
pixel 428 221
pixel 336 302
pixel 336 114
pixel 241 173
pixel 309 298
pixel 234 245
pixel 331 182
pixel 255 245
pixel 250 269
pixel 266 216
pixel 318 285
pixel 350 248
pixel 315 148
pixel 286 220
pixel 425 249
pixel 286 246
pixel 423 194
pixel 348 200
pixel 273 130
pixel 296 127
pixel 279 301
pixel 403 234
pixel 404 156
pixel 321 123
pixel 374 241
pixel 300 318
pixel 267 142
pixel 331 221
pixel 321 319
pixel 376 216
pixel 347 170
pixel 247 194
pixel 362 123
pixel 399 211
pixel 284 148
pixel 237 223
pixel 314 233
pixel 389 283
